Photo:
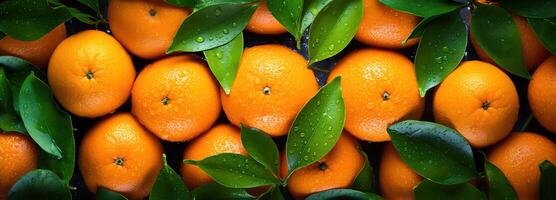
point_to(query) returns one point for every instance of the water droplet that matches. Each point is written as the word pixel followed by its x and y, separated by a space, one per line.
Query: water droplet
pixel 331 47
pixel 199 39
pixel 218 11
pixel 219 55
pixel 225 31
pixel 445 49
pixel 302 134
pixel 234 24
pixel 438 59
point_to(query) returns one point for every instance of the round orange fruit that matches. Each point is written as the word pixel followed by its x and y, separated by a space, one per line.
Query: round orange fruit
pixel 542 94
pixel 18 155
pixel 262 22
pixel 396 179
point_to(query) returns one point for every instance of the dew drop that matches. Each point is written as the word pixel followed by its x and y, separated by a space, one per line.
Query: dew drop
pixel 199 39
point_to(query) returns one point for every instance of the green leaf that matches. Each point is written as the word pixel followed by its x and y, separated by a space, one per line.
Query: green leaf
pixel 545 30
pixel 106 194
pixel 423 8
pixel 502 45
pixel 17 70
pixel 274 193
pixel 183 3
pixel 498 185
pixel 547 180
pixel 288 13
pixel 311 9
pixel 434 151
pixel 39 184
pixel 432 191
pixel 532 9
pixel 38 18
pixel 9 118
pixel 365 180
pixel 236 171
pixel 333 28
pixel 419 29
pixel 204 3
pixel 440 50
pixel 2 35
pixel 49 126
pixel 343 194
pixel 213 191
pixel 211 27
pixel 169 185
pixel 317 127
pixel 224 61
pixel 93 4
pixel 260 147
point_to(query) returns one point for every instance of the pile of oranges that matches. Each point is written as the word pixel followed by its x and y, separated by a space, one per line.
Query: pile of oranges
pixel 177 99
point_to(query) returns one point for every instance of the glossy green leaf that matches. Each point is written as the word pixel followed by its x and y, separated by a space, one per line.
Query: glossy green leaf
pixel 311 9
pixel 211 27
pixel 39 184
pixel 502 45
pixel 9 118
pixel 224 61
pixel 433 191
pixel 93 4
pixel 169 185
pixel 334 194
pixel 547 180
pixel 317 127
pixel 183 3
pixel 434 151
pixel 365 179
pixel 531 8
pixel 260 147
pixel 204 3
pixel 17 70
pixel 213 191
pixel 274 193
pixel 106 194
pixel 498 185
pixel 545 29
pixel 49 126
pixel 440 50
pixel 423 8
pixel 419 29
pixel 333 28
pixel 288 13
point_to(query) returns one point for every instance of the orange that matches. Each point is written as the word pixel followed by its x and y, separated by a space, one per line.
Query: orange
pixel 18 155
pixel 478 100
pixel 271 85
pixel 262 22
pixel 385 27
pixel 120 155
pixel 91 74
pixel 337 169
pixel 221 138
pixel 145 28
pixel 395 178
pixel 519 157
pixel 176 98
pixel 542 94
pixel 37 52
pixel 379 89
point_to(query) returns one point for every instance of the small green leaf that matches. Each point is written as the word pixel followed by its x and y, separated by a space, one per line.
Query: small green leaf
pixel 183 3
pixel 317 127
pixel 502 45
pixel 211 27
pixel 213 191
pixel 93 4
pixel 39 184
pixel 288 13
pixel 224 61
pixel 9 118
pixel 440 50
pixel 260 147
pixel 433 151
pixel 432 191
pixel 545 30
pixel 547 180
pixel 498 185
pixel 310 10
pixel 333 28
pixel 106 194
pixel 419 29
pixel 532 9
pixel 169 185
pixel 365 180
pixel 17 70
pixel 423 8
pixel 343 194
pixel 274 193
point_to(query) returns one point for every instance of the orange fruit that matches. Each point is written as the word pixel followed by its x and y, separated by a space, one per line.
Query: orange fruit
pixel 145 28
pixel 271 86
pixel 37 52
pixel 478 100
pixel 18 155
pixel 385 27
pixel 262 22
pixel 176 98
pixel 542 94
pixel 221 138
pixel 120 155
pixel 379 89
pixel 519 156
pixel 395 178
pixel 90 74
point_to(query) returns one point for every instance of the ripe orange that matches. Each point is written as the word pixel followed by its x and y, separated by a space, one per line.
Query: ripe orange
pixel 379 89
pixel 121 155
pixel 385 27
pixel 37 52
pixel 176 98
pixel 519 157
pixel 91 74
pixel 221 138
pixel 145 28
pixel 542 94
pixel 337 169
pixel 271 85
pixel 18 155
pixel 262 22
pixel 396 179
pixel 478 100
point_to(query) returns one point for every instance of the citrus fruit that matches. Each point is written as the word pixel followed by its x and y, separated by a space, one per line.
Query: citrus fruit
pixel 519 156
pixel 271 86
pixel 262 22
pixel 176 98
pixel 145 28
pixel 90 74
pixel 379 89
pixel 542 94
pixel 395 178
pixel 18 155
pixel 385 27
pixel 37 52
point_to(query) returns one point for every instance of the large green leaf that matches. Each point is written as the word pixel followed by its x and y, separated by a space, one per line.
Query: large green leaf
pixel 531 8
pixel 547 180
pixel 106 194
pixel 498 185
pixel 288 13
pixel 419 29
pixel 365 179
pixel 260 147
pixel 224 61
pixel 433 151
pixel 545 29
pixel 213 191
pixel 433 191
pixel 39 184
pixel 17 69
pixel 168 185
pixel 311 9
pixel 9 118
pixel 334 194
pixel 423 8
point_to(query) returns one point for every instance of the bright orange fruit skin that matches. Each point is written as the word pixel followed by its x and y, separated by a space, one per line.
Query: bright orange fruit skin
pixel 542 94
pixel 37 52
pixel 395 178
pixel 262 22
pixel 18 155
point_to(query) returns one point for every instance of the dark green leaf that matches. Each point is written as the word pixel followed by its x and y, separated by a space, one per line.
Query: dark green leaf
pixel 274 193
pixel 17 70
pixel 333 28
pixel 106 194
pixel 343 194
pixel 183 3
pixel 39 184
pixel 9 118
pixel 365 180
pixel 502 45
pixel 317 127
pixel 423 8
pixel 419 29
pixel 440 50
pixel 433 151
pixel 533 9
pixel 310 10
pixel 81 16
pixel 169 185
pixel 288 13
pixel 498 185
pixel 545 29
pixel 2 35
pixel 93 4
pixel 204 3
pixel 213 191
pixel 224 61
pixel 432 191
pixel 547 180
pixel 260 147
pixel 211 27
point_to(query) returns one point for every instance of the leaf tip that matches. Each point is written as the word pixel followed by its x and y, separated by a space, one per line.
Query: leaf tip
pixel 190 162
